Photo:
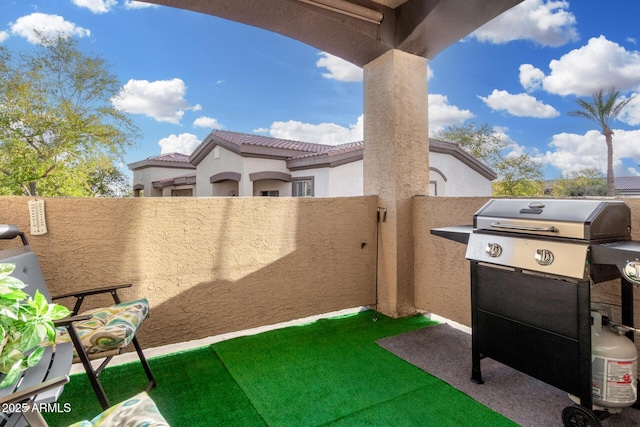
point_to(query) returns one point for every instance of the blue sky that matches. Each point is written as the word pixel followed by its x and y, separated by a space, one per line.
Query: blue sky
pixel 184 74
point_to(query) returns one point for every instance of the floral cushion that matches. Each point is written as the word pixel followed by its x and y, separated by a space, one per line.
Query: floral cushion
pixel 110 328
pixel 139 411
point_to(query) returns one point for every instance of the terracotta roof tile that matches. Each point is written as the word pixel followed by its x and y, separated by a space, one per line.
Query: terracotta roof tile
pixel 171 157
pixel 267 141
pixel 626 183
pixel 332 150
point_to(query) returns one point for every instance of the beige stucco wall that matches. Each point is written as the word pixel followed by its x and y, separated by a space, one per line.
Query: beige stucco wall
pixel 441 271
pixel 216 265
pixel 210 265
pixel 442 274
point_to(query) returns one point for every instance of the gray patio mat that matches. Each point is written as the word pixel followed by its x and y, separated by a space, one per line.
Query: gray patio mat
pixel 445 352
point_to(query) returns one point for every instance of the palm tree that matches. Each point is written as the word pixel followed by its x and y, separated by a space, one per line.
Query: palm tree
pixel 603 109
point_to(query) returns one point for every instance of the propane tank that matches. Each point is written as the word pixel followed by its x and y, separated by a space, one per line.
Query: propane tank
pixel 614 365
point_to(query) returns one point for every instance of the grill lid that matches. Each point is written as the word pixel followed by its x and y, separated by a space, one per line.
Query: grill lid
pixel 589 220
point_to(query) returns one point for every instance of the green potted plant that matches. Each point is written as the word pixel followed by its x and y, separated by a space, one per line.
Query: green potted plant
pixel 25 323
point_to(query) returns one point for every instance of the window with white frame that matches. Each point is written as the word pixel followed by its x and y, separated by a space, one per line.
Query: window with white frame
pixel 302 187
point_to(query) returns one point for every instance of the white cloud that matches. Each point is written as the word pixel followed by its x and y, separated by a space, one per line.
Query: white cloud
pixel 632 172
pixel 547 23
pixel 322 133
pixel 530 77
pixel 39 27
pixel 441 114
pixel 132 4
pixel 3 36
pixel 631 40
pixel 631 113
pixel 519 105
pixel 338 68
pixel 600 64
pixel 341 70
pixel 207 122
pixel 96 6
pixel 572 152
pixel 162 100
pixel 184 143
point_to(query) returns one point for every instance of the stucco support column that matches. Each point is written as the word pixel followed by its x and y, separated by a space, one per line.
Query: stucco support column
pixel 245 186
pixel 396 166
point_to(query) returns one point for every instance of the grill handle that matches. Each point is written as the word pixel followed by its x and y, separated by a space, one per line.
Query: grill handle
pixel 550 229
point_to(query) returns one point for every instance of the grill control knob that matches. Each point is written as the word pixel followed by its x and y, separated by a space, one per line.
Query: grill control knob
pixel 494 250
pixel 632 272
pixel 544 256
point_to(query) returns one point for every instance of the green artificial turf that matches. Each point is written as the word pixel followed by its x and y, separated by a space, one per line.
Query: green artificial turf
pixel 194 389
pixel 333 372
pixel 329 372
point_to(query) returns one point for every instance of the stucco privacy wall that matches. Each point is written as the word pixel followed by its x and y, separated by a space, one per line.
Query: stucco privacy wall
pixel 210 265
pixel 442 274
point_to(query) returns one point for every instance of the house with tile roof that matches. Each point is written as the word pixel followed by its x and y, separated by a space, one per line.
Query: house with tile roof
pixel 627 185
pixel 237 164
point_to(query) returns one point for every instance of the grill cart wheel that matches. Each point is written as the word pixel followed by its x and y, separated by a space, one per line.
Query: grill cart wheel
pixel 579 416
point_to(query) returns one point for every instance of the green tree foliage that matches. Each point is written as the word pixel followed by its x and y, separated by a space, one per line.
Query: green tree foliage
pixel 603 109
pixel 58 128
pixel 478 140
pixel 518 175
pixel 109 181
pixel 586 182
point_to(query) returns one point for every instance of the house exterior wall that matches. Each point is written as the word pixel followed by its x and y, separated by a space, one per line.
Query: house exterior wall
pixel 462 181
pixel 146 176
pixel 270 185
pixel 346 180
pixel 227 161
pixel 254 165
pixel 169 191
pixel 448 177
pixel 321 180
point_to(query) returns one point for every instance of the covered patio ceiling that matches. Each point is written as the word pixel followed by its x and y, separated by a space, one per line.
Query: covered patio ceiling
pixel 359 31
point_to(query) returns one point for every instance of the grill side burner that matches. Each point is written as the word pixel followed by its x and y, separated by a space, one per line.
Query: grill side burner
pixel 532 266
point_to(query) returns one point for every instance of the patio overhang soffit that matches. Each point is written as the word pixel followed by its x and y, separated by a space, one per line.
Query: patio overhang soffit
pixel 359 31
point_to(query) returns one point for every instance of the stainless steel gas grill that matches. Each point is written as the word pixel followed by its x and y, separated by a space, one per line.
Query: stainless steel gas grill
pixel 532 266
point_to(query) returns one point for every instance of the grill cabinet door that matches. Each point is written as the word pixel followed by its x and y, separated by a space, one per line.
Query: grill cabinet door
pixel 534 324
